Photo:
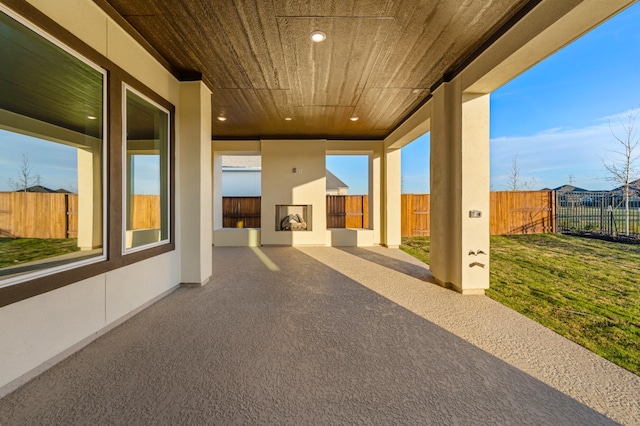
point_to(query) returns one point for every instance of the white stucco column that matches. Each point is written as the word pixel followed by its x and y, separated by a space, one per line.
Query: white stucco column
pixel 90 196
pixel 375 196
pixel 391 187
pixel 195 186
pixel 217 191
pixel 460 189
pixel 129 194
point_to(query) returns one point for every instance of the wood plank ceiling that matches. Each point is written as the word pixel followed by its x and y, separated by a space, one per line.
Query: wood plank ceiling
pixel 379 62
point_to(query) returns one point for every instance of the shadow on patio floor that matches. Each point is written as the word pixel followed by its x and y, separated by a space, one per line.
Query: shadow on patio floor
pixel 420 272
pixel 304 344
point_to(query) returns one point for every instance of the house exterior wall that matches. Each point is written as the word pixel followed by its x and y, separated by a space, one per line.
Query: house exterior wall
pixel 241 183
pixel 338 191
pixel 45 327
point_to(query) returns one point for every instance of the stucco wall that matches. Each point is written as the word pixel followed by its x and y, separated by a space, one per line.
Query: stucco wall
pixel 280 185
pixel 40 328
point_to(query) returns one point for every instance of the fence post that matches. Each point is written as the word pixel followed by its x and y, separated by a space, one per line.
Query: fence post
pixel 602 213
pixel 66 215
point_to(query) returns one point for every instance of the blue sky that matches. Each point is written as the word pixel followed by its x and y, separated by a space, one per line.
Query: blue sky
pixel 56 164
pixel 555 117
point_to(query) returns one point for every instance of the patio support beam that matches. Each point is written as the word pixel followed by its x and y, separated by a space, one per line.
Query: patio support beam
pixel 195 183
pixel 460 189
pixel 391 209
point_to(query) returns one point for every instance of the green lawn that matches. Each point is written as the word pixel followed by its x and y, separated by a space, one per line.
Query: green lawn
pixel 584 289
pixel 14 251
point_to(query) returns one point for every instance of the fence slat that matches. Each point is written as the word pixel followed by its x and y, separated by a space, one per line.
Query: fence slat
pixel 336 211
pixel 72 216
pixel 354 211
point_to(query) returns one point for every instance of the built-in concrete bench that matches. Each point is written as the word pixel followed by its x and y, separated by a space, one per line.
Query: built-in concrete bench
pixel 350 237
pixel 237 237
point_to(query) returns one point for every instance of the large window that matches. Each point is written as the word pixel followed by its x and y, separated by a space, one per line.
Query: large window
pixel 51 167
pixel 146 172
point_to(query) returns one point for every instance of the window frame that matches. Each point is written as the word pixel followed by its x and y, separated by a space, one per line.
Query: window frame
pixel 45 272
pixel 125 251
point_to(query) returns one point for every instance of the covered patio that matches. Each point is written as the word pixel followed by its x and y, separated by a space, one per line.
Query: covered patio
pixel 289 327
pixel 324 335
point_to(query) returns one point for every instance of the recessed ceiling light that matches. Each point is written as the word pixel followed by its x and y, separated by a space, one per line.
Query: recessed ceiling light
pixel 354 118
pixel 222 118
pixel 92 117
pixel 416 91
pixel 287 118
pixel 318 36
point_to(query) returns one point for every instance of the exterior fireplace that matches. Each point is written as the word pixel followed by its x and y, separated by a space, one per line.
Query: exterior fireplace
pixel 293 217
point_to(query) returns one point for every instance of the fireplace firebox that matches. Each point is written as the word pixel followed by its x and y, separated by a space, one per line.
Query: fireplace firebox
pixel 296 217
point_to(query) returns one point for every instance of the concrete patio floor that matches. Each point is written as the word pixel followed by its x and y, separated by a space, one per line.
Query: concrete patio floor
pixel 327 336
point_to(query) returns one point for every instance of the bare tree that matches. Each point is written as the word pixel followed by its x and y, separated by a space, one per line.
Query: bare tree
pixel 25 179
pixel 515 182
pixel 622 169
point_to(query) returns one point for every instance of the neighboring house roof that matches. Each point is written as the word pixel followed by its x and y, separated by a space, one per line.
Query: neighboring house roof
pixel 39 188
pixel 569 188
pixel 44 190
pixel 334 183
pixel 633 187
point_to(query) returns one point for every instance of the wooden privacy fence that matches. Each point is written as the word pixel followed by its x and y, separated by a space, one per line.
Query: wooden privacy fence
pixel 241 212
pixel 519 212
pixel 511 212
pixel 37 215
pixel 146 211
pixel 343 211
pixel 347 211
pixel 47 215
pixel 522 212
pixel 415 215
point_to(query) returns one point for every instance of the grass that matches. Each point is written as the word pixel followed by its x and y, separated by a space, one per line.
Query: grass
pixel 15 251
pixel 584 289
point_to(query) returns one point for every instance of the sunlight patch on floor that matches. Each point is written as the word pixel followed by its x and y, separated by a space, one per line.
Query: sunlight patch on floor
pixel 265 259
